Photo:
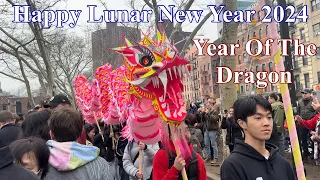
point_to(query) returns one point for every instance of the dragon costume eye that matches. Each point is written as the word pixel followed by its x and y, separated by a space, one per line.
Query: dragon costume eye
pixel 146 61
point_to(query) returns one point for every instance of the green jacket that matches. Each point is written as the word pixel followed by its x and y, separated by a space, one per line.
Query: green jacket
pixel 278 115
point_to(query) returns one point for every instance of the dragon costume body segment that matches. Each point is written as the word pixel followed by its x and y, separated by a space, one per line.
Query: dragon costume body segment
pixel 146 91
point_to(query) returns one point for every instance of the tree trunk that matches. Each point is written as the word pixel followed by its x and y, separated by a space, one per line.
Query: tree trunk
pixel 229 36
pixel 37 30
pixel 26 81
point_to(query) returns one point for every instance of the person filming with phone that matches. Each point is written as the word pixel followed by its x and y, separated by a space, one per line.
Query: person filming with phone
pixel 233 129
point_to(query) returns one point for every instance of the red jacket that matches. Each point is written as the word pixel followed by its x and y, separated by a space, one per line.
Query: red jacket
pixel 310 124
pixel 161 162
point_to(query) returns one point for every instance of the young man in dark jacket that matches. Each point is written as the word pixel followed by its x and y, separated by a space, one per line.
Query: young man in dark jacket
pixel 253 158
pixel 9 131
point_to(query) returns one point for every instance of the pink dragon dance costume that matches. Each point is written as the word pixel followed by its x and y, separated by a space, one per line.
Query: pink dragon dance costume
pixel 146 92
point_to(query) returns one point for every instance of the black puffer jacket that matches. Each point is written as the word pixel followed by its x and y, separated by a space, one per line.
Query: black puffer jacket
pixel 233 130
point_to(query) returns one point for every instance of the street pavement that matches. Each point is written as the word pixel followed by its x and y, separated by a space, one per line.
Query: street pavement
pixel 213 172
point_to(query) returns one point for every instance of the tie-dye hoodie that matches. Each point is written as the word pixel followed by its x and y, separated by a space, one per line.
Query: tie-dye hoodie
pixel 71 160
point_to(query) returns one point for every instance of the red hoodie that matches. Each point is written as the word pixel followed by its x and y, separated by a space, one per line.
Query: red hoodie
pixel 310 124
pixel 161 162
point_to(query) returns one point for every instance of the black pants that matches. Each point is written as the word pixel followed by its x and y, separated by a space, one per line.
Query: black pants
pixel 231 147
pixel 303 139
pixel 123 174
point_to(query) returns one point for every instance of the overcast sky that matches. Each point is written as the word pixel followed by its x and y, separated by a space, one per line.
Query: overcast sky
pixel 208 30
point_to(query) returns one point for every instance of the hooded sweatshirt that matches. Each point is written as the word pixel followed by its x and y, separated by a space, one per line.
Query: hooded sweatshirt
pixel 245 163
pixel 71 160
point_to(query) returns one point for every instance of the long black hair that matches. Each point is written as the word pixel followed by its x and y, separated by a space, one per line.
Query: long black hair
pixel 37 146
pixel 36 124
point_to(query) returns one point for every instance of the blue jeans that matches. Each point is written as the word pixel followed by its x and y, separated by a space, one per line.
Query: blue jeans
pixel 210 138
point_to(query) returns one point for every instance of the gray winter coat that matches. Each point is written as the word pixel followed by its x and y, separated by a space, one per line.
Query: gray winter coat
pixel 98 169
pixel 148 155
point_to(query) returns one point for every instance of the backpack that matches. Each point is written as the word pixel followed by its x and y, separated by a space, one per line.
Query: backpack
pixel 192 172
pixel 196 144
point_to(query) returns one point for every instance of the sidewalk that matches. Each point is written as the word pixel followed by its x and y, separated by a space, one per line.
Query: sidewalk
pixel 313 173
pixel 213 172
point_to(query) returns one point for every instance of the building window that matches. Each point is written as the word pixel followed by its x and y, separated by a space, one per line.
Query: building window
pixel 306 80
pixel 238 42
pixel 315 5
pixel 318 73
pixel 241 89
pixel 260 33
pixel 264 67
pixel 302 35
pixel 295 62
pixel 318 53
pixel 254 34
pixel 267 29
pixel 257 68
pixel 305 60
pixel 243 42
pixel 208 66
pixel 239 59
pixel 259 18
pixel 248 37
pixel 316 29
pixel 297 82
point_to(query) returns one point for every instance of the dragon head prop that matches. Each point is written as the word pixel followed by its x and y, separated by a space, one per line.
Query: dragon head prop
pixel 155 72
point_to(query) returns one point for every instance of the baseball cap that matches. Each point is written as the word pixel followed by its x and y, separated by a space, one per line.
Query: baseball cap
pixel 306 91
pixel 58 99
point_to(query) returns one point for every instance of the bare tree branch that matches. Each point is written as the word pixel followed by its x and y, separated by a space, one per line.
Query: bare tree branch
pixel 15 55
pixel 8 67
pixel 194 32
pixel 10 76
pixel 148 4
pixel 26 81
pixel 178 25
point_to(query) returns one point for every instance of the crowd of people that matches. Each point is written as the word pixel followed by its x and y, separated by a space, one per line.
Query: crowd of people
pixel 53 142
